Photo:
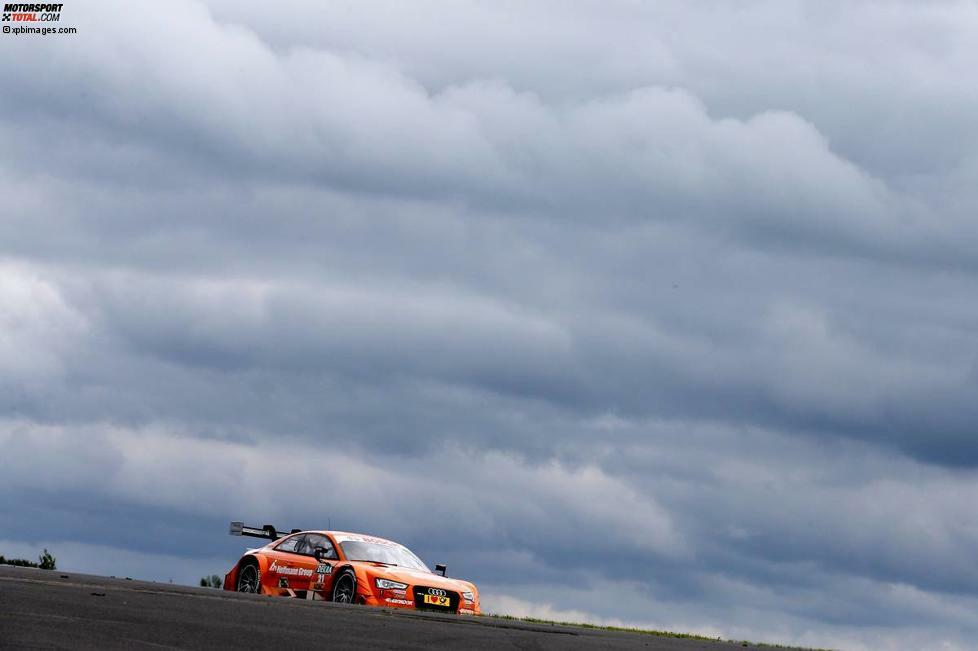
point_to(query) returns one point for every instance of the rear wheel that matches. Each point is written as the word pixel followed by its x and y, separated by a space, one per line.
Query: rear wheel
pixel 345 588
pixel 248 580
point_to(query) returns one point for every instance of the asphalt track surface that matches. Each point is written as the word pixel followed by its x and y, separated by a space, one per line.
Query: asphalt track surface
pixel 42 609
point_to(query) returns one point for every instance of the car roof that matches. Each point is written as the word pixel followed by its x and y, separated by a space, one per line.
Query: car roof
pixel 351 533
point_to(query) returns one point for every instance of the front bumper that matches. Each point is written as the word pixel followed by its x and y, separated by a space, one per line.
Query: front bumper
pixel 412 598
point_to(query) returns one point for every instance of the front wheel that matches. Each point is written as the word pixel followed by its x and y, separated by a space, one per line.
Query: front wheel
pixel 345 588
pixel 248 579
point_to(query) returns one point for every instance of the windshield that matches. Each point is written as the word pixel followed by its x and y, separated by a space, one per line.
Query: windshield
pixel 356 550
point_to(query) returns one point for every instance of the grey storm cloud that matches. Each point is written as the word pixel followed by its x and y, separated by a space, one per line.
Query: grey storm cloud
pixel 677 298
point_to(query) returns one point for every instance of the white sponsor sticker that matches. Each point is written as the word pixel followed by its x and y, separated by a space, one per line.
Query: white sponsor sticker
pixel 343 537
pixel 401 602
pixel 289 571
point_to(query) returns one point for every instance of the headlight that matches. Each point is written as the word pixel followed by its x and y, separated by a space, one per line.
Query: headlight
pixel 384 584
pixel 468 596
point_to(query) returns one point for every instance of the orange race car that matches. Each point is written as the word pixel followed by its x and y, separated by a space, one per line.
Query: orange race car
pixel 346 568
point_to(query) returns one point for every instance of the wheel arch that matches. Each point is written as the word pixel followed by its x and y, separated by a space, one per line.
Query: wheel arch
pixel 255 558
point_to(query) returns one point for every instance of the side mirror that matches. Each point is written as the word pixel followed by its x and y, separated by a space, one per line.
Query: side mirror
pixel 321 553
pixel 441 568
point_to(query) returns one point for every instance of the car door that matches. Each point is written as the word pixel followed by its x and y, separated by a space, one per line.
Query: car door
pixel 320 572
pixel 287 571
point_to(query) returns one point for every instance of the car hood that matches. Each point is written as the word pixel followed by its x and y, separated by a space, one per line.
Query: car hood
pixel 413 577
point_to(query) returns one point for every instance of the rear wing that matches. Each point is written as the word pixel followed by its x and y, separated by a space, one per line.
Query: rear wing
pixel 265 531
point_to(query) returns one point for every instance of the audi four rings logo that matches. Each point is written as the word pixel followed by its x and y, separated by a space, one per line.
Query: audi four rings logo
pixel 435 592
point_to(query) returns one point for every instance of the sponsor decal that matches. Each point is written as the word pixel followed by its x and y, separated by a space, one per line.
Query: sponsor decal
pixel 436 601
pixel 396 593
pixel 324 568
pixel 466 611
pixel 400 602
pixel 290 571
pixel 343 537
pixel 436 597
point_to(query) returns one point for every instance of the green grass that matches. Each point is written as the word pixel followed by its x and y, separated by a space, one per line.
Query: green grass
pixel 648 631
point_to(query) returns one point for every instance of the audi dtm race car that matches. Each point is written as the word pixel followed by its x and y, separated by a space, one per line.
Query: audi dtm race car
pixel 346 568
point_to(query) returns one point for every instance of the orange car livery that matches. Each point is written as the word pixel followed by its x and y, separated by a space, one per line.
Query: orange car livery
pixel 347 568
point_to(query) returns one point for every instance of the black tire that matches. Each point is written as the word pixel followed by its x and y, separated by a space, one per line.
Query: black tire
pixel 249 578
pixel 345 588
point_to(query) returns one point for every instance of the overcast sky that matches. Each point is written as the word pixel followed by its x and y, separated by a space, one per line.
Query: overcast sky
pixel 655 313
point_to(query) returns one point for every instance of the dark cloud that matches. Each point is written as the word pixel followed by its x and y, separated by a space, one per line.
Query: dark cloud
pixel 676 299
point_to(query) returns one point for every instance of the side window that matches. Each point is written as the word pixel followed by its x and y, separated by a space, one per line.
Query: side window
pixel 315 540
pixel 303 547
pixel 290 544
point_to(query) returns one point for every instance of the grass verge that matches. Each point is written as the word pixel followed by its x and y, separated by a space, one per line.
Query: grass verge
pixel 657 633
